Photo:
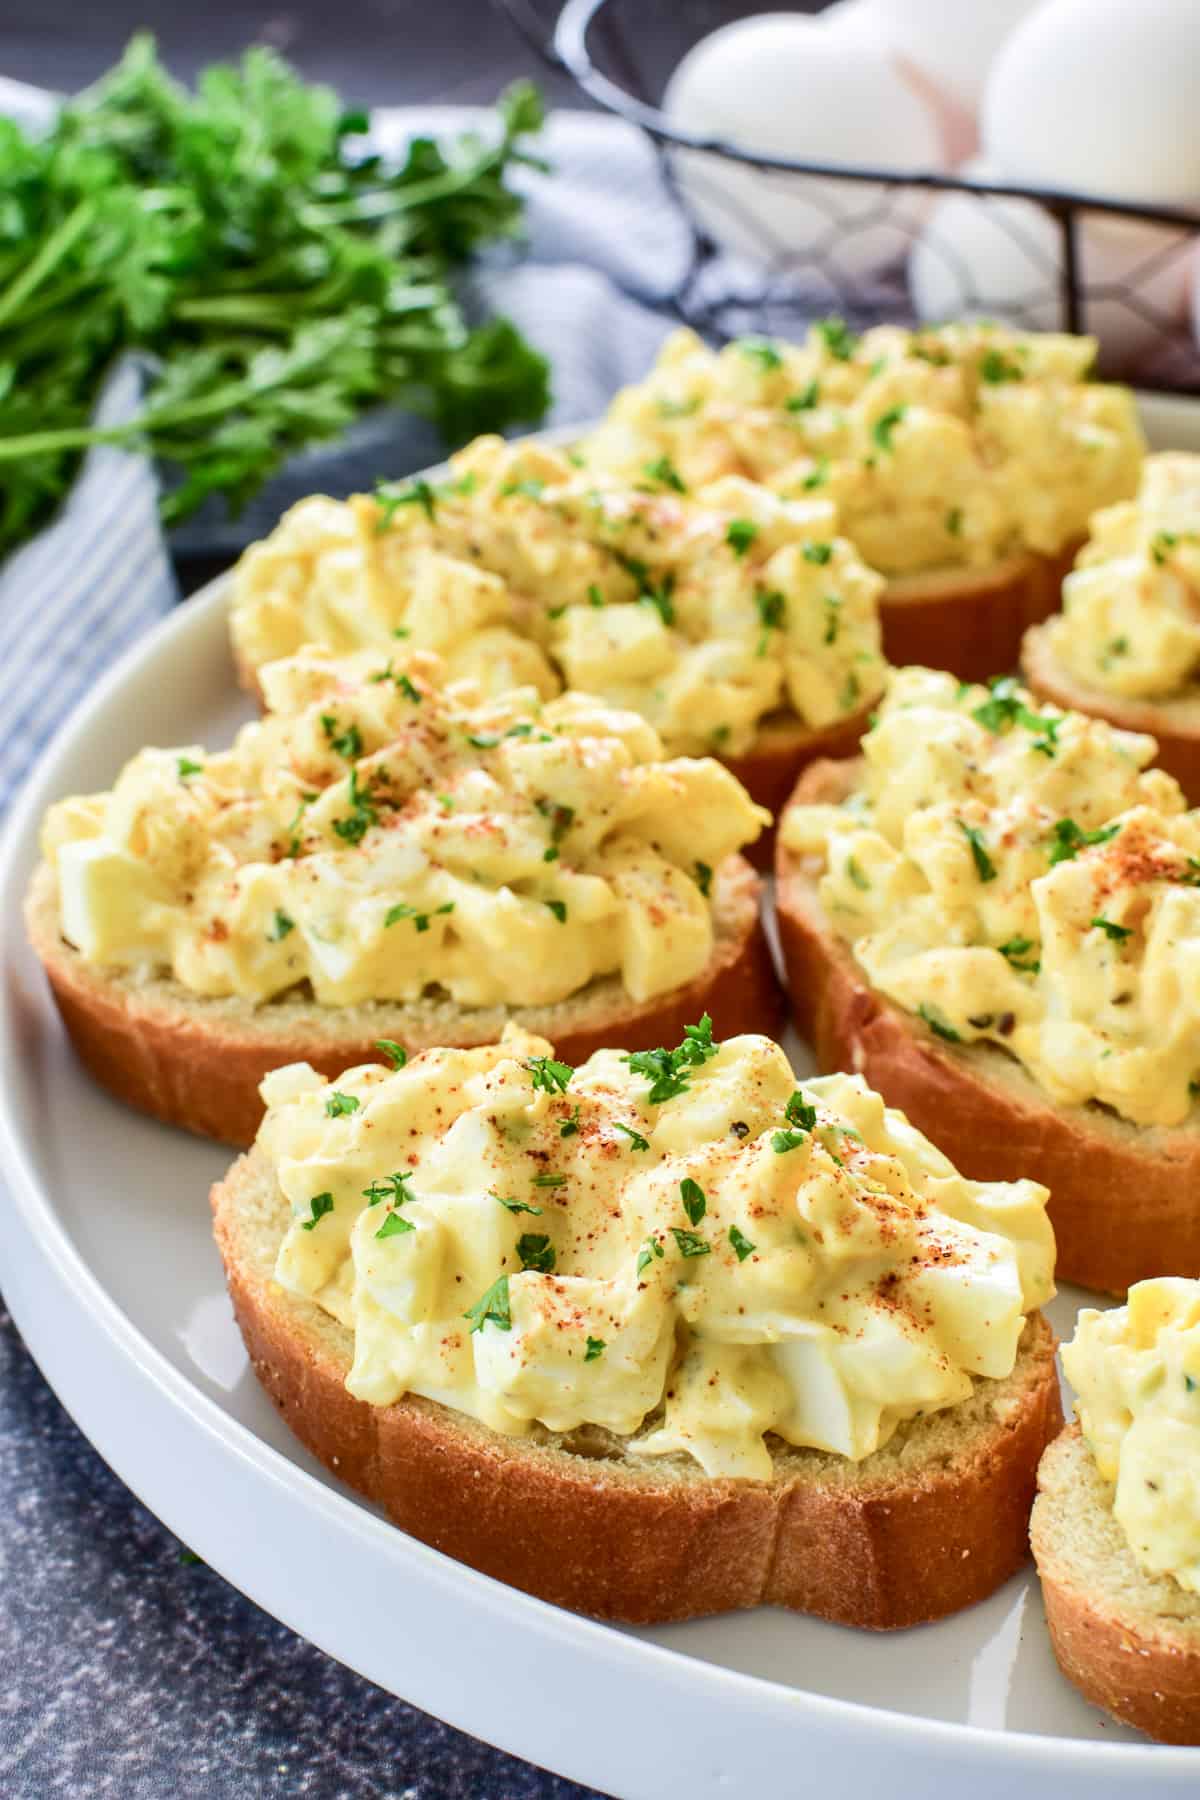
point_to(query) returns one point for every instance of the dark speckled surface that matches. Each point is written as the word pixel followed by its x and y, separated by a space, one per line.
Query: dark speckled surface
pixel 132 1673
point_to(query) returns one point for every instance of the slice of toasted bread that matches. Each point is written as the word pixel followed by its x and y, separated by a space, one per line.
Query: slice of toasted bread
pixel 1124 1198
pixel 971 621
pixel 931 1523
pixel 1175 722
pixel 1128 1640
pixel 195 1061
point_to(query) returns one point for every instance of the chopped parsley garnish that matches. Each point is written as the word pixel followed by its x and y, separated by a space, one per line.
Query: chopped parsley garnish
pixel 518 1206
pixel 536 1252
pixel 805 400
pixel 1115 647
pixel 651 1248
pixel 280 927
pixel 319 1205
pixel 690 1242
pixel 704 877
pixel 1068 840
pixel 985 868
pixel 772 612
pixel 340 1106
pixel 389 1187
pixel 558 908
pixel 561 818
pixel 783 1141
pixel 493 1305
pixel 885 425
pixel 549 1076
pixel 595 1348
pixel 741 1243
pixel 394 1226
pixel 678 409
pixel 390 499
pixel 595 597
pixel 833 607
pixel 851 692
pixel 659 597
pixel 531 488
pixel 817 476
pixel 1004 707
pixel 695 1200
pixel 550 1181
pixel 1016 951
pixel 570 1127
pixel 740 534
pixel 995 367
pixel 837 337
pixel 761 351
pixel 396 1054
pixel 939 1024
pixel 636 1140
pixel 800 1111
pixel 402 910
pixel 1162 544
pixel 401 631
pixel 409 689
pixel 954 522
pixel 1118 933
pixel 817 553
pixel 363 814
pixel 348 743
pixel 667 1071
pixel 663 470
pixel 861 881
pixel 187 767
pixel 293 830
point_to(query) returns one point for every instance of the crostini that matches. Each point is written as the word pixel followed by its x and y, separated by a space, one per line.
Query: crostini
pixel 1126 646
pixel 1116 1525
pixel 657 1336
pixel 995 915
pixel 964 461
pixel 387 856
pixel 738 623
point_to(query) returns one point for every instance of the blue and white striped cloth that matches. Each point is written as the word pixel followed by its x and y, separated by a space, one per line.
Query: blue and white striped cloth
pixel 605 246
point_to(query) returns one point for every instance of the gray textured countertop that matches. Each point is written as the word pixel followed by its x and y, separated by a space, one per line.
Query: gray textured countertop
pixel 132 1673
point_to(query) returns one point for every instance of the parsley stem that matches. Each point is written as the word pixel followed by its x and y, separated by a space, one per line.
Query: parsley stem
pixel 52 251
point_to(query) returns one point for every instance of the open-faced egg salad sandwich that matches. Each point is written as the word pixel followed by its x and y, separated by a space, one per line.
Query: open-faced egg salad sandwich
pixel 994 913
pixel 1126 646
pixel 738 623
pixel 964 461
pixel 390 856
pixel 657 1335
pixel 1116 1526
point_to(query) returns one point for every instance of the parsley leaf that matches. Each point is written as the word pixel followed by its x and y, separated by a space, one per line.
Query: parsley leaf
pixel 985 868
pixel 636 1140
pixel 347 744
pixel 389 1187
pixel 280 927
pixel 885 425
pixel 663 470
pixel 536 1252
pixel 394 1226
pixel 762 351
pixel 817 553
pixel 548 1076
pixel 805 400
pixel 558 908
pixel 518 1206
pixel 1068 840
pixel 396 1054
pixel 667 1070
pixel 1016 951
pixel 741 1243
pixel 492 1305
pixel 783 1141
pixel 186 767
pixel 690 1242
pixel 402 910
pixel 340 1106
pixel 319 1205
pixel 800 1111
pixel 650 1249
pixel 595 1348
pixel 740 534
pixel 1118 933
pixel 837 338
pixel 695 1201
pixel 704 877
pixel 939 1024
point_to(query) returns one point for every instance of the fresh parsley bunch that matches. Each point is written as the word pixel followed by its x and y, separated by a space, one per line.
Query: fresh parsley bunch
pixel 280 278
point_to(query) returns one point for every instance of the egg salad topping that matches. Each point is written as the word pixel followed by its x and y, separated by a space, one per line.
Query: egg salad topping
pixel 940 447
pixel 1136 1371
pixel 678 1246
pixel 1131 607
pixel 380 836
pixel 1013 874
pixel 704 608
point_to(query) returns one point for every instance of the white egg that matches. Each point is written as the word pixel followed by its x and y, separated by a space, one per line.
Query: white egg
pixel 787 85
pixel 1100 95
pixel 1001 258
pixel 953 42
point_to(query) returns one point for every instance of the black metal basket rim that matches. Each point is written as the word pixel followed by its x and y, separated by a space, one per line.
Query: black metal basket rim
pixel 568 45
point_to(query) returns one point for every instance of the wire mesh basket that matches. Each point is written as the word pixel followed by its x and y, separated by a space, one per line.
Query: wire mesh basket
pixel 777 241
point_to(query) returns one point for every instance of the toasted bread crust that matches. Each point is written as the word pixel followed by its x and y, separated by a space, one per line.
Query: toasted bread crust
pixel 1175 722
pixel 971 621
pixel 1124 1648
pixel 909 1535
pixel 197 1062
pixel 1124 1199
